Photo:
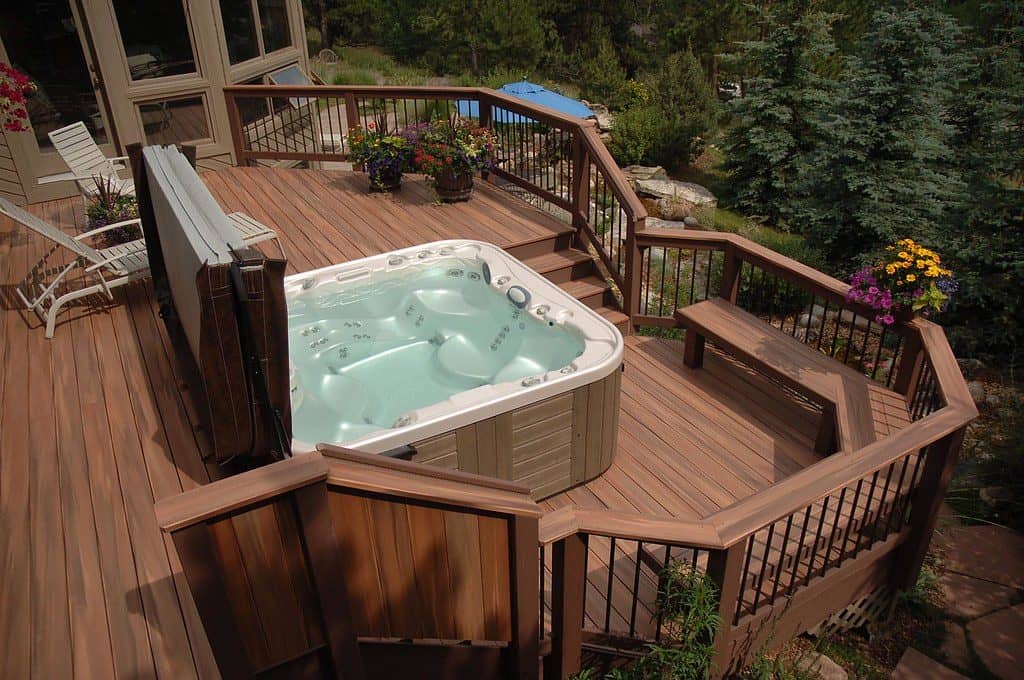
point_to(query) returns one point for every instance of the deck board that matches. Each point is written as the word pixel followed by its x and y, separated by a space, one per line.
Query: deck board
pixel 99 423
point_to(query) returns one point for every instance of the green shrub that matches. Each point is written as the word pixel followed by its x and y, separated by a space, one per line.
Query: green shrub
pixel 602 78
pixel 635 135
pixel 354 76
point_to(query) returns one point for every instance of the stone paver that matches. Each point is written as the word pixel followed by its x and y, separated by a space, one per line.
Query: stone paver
pixel 914 665
pixel 985 552
pixel 998 640
pixel 821 667
pixel 954 649
pixel 966 597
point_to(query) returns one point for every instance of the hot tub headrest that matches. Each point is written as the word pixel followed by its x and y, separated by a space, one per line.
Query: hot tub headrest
pixel 231 334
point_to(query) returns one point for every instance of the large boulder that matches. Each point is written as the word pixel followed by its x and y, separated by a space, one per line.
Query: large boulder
pixel 605 119
pixel 658 223
pixel 634 173
pixel 694 194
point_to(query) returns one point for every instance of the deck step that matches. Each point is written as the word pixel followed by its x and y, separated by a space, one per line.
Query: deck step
pixel 542 245
pixel 562 266
pixel 592 291
pixel 616 317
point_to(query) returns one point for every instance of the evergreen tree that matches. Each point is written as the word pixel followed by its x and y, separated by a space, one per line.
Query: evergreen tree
pixel 779 119
pixel 986 241
pixel 602 78
pixel 886 169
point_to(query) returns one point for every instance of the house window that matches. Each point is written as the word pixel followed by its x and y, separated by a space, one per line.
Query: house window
pixel 173 121
pixel 241 19
pixel 155 38
pixel 41 41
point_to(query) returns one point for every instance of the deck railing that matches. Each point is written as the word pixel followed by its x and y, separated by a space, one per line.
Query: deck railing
pixel 783 558
pixel 552 160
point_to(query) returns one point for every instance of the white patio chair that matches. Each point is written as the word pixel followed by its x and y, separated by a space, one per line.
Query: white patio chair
pixel 78 149
pixel 253 232
pixel 45 291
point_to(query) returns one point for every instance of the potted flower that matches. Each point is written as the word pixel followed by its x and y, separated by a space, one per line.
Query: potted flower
pixel 14 85
pixel 451 151
pixel 909 280
pixel 383 154
pixel 111 206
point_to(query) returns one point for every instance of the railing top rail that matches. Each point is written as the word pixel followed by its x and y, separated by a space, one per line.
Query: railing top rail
pixel 952 386
pixel 387 476
pixel 623 192
pixel 239 491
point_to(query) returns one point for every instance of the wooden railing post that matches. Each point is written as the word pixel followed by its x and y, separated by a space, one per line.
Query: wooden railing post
pixel 351 111
pixel 908 371
pixel 631 291
pixel 924 508
pixel 580 188
pixel 568 583
pixel 525 647
pixel 731 268
pixel 725 569
pixel 235 123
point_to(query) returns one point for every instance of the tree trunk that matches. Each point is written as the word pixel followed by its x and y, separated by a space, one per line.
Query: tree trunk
pixel 325 38
pixel 714 73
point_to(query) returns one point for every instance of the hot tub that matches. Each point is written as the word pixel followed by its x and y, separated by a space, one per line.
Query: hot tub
pixel 461 351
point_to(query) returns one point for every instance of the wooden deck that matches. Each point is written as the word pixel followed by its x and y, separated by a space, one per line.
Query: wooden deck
pixel 98 423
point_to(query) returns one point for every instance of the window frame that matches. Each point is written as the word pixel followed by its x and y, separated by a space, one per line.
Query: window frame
pixel 142 84
pixel 262 53
pixel 210 137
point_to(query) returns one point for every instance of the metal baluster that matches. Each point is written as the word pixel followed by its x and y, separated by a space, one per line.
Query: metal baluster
pixel 661 578
pixel 782 558
pixel 636 589
pixel 849 525
pixel 895 361
pixel 745 574
pixel 898 500
pixel 885 502
pixel 878 353
pixel 821 329
pixel 832 532
pixel 707 284
pixel 661 287
pixel 764 565
pixel 611 575
pixel 867 513
pixel 817 540
pixel 799 550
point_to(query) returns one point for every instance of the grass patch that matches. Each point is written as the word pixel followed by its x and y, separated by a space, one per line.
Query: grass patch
pixel 349 75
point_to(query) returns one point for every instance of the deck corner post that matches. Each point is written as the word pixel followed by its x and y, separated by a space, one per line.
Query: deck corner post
pixel 924 508
pixel 580 187
pixel 525 647
pixel 911 363
pixel 725 569
pixel 631 294
pixel 568 583
pixel 235 123
pixel 731 268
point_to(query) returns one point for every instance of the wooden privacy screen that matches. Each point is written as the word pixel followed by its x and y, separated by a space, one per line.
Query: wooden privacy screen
pixel 355 566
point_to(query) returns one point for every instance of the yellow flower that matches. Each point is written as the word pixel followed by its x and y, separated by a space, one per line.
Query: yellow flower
pixel 911 278
pixel 903 255
pixel 890 269
pixel 920 264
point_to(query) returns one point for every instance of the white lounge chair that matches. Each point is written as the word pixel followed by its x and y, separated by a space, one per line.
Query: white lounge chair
pixel 253 232
pixel 88 165
pixel 104 269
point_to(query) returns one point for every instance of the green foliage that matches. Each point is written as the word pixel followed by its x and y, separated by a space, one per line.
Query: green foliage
pixel 354 76
pixel 688 604
pixel 779 121
pixel 885 169
pixel 602 77
pixel 671 129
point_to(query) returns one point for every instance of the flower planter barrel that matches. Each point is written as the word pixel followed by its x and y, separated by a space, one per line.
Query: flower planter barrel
pixel 452 187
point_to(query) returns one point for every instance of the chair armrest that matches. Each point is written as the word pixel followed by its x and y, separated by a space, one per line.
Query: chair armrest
pixel 57 177
pixel 108 227
pixel 118 158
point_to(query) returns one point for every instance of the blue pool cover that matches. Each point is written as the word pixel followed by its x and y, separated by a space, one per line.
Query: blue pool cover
pixel 533 93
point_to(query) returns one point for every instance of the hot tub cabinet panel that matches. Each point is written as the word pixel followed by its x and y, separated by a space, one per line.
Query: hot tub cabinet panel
pixel 548 446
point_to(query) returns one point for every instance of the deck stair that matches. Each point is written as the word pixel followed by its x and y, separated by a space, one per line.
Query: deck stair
pixel 574 271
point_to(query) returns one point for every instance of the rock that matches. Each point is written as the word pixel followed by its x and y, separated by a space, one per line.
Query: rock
pixel 639 172
pixel 820 666
pixel 673 209
pixel 692 193
pixel 914 665
pixel 859 322
pixel 605 119
pixel 965 597
pixel 954 647
pixel 998 640
pixel 995 495
pixel 977 390
pixel 658 223
pixel 692 221
pixel 970 366
pixel 989 553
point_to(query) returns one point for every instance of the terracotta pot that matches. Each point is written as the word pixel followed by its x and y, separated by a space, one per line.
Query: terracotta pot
pixel 452 187
pixel 387 180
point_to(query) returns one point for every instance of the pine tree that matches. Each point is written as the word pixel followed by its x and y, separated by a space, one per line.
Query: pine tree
pixel 986 245
pixel 886 168
pixel 779 120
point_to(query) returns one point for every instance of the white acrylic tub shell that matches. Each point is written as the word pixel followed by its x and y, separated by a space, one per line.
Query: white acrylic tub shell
pixel 602 353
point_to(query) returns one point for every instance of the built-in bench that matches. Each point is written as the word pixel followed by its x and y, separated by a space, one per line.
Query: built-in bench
pixel 844 394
